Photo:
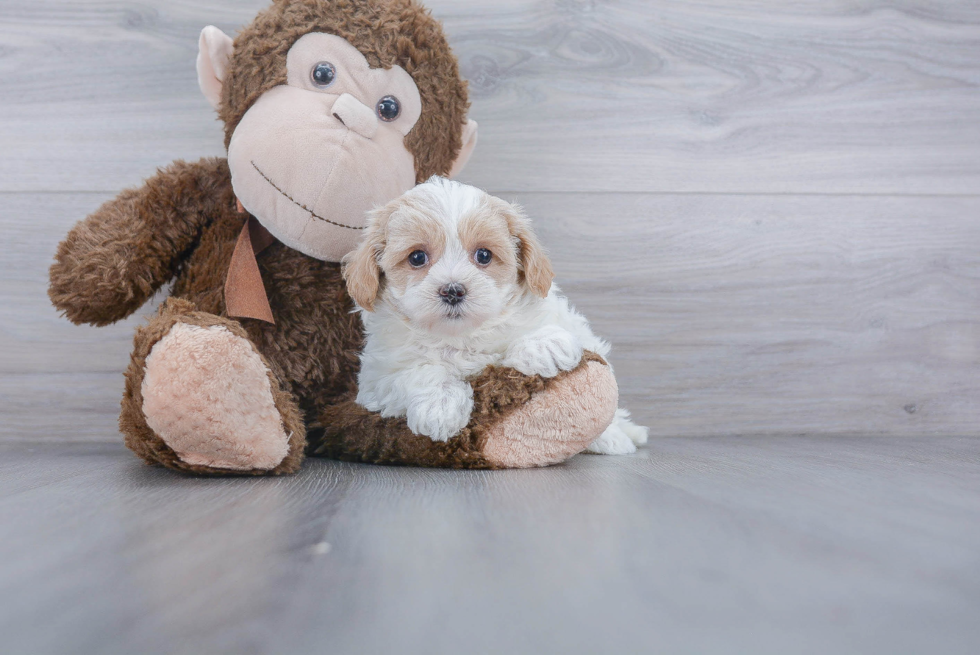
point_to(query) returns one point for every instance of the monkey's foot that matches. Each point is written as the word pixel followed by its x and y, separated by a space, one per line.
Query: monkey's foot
pixel 207 395
pixel 201 398
pixel 556 423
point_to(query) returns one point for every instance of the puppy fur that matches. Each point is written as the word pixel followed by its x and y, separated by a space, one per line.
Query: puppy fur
pixel 432 326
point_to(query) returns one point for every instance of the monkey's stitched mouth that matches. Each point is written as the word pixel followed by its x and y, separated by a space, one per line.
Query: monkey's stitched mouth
pixel 299 204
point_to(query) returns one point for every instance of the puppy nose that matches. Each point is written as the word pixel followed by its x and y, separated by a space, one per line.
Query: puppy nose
pixel 355 115
pixel 452 293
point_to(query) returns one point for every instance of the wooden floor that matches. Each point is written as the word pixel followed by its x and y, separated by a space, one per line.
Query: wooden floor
pixel 704 545
pixel 772 210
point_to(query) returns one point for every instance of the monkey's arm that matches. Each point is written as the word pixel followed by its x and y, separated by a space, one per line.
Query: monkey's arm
pixel 518 421
pixel 114 260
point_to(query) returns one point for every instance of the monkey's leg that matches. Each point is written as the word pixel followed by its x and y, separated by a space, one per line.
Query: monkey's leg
pixel 199 397
pixel 518 422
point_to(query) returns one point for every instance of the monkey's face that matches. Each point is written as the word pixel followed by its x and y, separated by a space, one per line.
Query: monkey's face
pixel 311 157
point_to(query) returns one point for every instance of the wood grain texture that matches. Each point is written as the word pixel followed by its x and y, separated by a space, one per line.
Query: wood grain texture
pixel 571 95
pixel 727 314
pixel 732 545
pixel 779 315
pixel 771 211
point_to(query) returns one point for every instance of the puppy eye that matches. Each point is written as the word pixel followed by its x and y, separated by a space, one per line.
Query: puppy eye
pixel 483 256
pixel 418 258
pixel 389 108
pixel 323 74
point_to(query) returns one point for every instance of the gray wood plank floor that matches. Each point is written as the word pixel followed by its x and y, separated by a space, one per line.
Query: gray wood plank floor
pixel 772 210
pixel 737 545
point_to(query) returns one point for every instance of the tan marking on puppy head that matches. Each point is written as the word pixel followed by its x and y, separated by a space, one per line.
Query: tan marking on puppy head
pixel 486 228
pixel 411 227
pixel 533 262
pixel 394 231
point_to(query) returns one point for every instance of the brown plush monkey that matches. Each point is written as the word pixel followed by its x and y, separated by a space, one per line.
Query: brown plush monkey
pixel 330 107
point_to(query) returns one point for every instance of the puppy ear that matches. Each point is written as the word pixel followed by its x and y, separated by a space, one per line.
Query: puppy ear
pixel 532 259
pixel 360 267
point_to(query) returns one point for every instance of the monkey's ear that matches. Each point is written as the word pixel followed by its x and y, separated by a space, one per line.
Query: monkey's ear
pixel 214 51
pixel 469 142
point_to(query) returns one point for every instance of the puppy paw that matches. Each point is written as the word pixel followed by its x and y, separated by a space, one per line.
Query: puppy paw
pixel 545 352
pixel 614 441
pixel 637 433
pixel 440 413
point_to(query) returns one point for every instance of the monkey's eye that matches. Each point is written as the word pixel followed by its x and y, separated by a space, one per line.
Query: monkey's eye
pixel 323 74
pixel 389 108
pixel 483 256
pixel 418 258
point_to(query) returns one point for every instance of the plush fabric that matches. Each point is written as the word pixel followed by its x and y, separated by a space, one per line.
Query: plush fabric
pixel 499 434
pixel 589 393
pixel 310 161
pixel 412 39
pixel 355 80
pixel 112 262
pixel 208 395
pixel 316 209
pixel 153 449
pixel 214 50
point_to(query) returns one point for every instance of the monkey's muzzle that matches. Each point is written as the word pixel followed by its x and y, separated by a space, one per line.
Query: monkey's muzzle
pixel 309 166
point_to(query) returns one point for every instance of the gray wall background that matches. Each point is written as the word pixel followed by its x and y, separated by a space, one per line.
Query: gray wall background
pixel 771 209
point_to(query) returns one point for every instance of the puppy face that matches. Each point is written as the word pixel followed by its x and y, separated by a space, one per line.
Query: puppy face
pixel 447 257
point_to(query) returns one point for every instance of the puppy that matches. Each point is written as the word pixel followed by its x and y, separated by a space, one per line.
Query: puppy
pixel 450 280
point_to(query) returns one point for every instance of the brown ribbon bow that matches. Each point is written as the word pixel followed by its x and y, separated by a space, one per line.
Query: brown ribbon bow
pixel 245 295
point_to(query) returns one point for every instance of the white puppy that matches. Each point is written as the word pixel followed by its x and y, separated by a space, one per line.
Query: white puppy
pixel 451 280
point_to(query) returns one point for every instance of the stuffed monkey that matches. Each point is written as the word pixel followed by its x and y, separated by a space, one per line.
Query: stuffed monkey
pixel 330 107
